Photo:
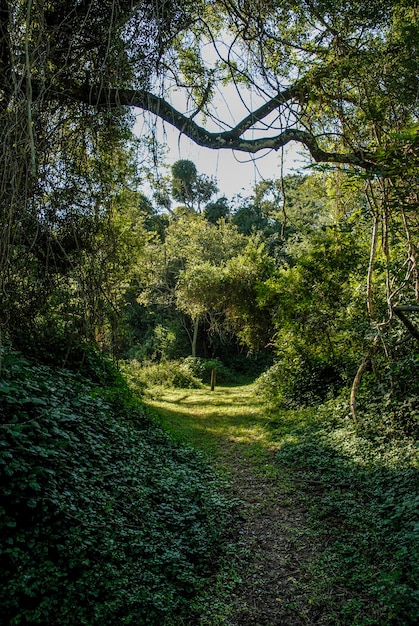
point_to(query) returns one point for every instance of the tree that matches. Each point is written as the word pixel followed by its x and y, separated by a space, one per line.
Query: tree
pixel 189 187
pixel 215 211
pixel 225 291
pixel 339 78
pixel 317 295
pixel 64 162
pixel 185 272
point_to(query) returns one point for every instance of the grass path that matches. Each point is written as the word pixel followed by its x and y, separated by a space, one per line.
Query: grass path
pixel 274 547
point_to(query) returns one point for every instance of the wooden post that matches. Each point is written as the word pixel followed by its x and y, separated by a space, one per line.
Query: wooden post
pixel 213 378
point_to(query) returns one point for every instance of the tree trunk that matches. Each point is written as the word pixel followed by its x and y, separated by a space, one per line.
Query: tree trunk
pixel 370 305
pixel 358 377
pixel 195 335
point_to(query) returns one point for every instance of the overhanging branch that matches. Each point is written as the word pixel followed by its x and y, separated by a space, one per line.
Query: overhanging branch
pixel 231 139
pixel 400 312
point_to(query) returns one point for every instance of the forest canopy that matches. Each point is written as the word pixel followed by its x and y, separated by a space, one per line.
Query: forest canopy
pixel 339 78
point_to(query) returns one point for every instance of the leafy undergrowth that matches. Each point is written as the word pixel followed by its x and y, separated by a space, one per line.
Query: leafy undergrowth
pixel 354 490
pixel 360 489
pixel 165 374
pixel 103 519
pixel 154 378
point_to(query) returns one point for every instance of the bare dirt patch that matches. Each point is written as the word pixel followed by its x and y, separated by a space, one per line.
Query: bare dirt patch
pixel 275 548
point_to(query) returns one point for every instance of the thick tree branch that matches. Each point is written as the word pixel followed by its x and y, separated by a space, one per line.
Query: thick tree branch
pixel 281 97
pixel 400 312
pixel 230 139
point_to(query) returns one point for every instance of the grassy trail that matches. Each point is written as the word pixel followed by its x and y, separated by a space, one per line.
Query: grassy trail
pixel 264 586
pixel 213 421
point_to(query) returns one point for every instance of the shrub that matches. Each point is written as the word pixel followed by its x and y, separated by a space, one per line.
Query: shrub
pixel 104 520
pixel 163 374
pixel 248 366
pixel 301 383
pixel 55 346
pixel 201 368
pixel 360 490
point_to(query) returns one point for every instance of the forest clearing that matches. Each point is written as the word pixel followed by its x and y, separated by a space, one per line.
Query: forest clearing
pixel 209 377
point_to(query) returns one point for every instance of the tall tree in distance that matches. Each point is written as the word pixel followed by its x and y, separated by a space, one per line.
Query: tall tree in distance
pixel 189 187
pixel 193 251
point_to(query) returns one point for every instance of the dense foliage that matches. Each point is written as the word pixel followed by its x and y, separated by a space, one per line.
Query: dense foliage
pixel 103 519
pixel 188 373
pixel 359 488
pixel 317 272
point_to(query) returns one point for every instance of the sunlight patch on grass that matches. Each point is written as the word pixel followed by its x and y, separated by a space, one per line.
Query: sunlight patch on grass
pixel 206 419
pixel 356 486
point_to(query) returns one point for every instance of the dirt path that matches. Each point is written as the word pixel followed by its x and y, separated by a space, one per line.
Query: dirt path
pixel 274 546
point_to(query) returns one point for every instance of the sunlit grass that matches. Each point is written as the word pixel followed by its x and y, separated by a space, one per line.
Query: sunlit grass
pixel 212 420
pixel 231 426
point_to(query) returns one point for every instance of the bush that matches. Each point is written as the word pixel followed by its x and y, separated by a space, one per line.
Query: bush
pixel 248 366
pixel 401 374
pixel 168 374
pixel 188 373
pixel 201 368
pixel 104 520
pixel 360 493
pixel 301 383
pixel 52 345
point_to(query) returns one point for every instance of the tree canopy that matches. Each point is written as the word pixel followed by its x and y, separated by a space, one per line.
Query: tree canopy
pixel 337 77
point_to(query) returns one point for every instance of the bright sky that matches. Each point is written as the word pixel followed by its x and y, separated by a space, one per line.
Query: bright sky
pixel 236 172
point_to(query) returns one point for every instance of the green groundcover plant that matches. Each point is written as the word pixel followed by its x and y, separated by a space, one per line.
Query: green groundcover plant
pixel 361 492
pixel 103 519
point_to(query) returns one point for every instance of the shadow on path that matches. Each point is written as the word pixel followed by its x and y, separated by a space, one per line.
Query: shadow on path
pixel 230 426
